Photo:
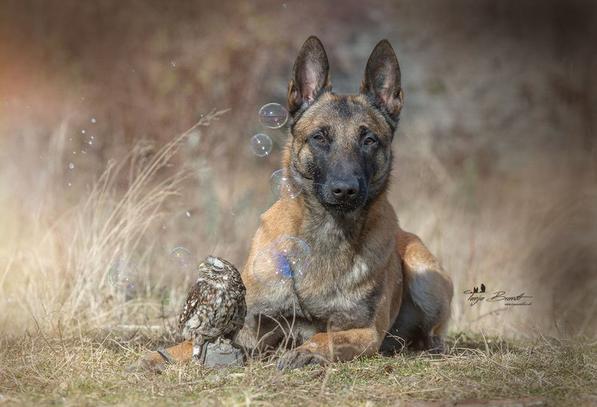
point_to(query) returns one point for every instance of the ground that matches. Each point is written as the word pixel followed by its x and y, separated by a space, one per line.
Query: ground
pixel 90 369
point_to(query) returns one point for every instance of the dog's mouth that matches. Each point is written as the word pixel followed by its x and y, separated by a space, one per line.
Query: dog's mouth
pixel 342 208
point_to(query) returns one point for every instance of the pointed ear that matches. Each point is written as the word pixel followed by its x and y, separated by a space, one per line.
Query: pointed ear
pixel 310 75
pixel 382 80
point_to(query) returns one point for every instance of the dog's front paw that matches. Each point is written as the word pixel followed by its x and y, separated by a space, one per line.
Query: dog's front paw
pixel 298 358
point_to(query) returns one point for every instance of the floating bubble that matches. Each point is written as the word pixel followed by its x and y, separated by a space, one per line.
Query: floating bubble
pixel 71 166
pixel 261 145
pixel 90 142
pixel 183 258
pixel 93 120
pixel 122 274
pixel 188 214
pixel 173 64
pixel 273 115
pixel 83 131
pixel 282 187
pixel 283 260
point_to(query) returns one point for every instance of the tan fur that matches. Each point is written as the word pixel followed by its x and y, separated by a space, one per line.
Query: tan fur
pixel 367 277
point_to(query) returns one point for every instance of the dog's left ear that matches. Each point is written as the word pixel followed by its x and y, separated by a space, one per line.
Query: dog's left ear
pixel 382 80
pixel 310 75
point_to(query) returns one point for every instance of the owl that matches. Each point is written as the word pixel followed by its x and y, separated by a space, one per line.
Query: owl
pixel 215 308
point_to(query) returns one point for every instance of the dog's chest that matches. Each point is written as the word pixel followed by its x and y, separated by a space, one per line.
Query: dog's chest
pixel 337 287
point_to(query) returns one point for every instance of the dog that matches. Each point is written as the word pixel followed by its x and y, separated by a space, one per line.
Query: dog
pixel 369 286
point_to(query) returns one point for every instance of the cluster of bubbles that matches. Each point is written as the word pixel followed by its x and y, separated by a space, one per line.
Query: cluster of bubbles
pixel 90 140
pixel 283 260
pixel 272 116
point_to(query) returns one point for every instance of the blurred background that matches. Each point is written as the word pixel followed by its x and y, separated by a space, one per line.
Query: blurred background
pixel 496 160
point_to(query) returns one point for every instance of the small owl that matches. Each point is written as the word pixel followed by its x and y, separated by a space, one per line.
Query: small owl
pixel 215 307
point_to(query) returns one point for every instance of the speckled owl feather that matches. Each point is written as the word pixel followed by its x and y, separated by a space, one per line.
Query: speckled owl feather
pixel 215 306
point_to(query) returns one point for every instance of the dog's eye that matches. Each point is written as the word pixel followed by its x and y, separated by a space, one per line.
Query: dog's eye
pixel 318 137
pixel 369 141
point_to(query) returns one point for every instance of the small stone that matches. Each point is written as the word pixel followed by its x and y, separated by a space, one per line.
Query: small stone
pixel 223 354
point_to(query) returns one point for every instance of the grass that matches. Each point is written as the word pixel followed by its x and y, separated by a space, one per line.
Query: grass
pixel 90 370
pixel 62 340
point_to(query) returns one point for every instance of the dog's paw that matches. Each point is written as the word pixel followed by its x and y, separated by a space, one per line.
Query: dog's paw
pixel 437 345
pixel 297 358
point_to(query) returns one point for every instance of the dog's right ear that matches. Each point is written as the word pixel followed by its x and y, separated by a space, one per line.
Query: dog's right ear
pixel 310 75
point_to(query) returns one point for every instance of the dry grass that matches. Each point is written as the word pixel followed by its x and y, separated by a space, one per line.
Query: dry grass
pixel 91 265
pixel 89 370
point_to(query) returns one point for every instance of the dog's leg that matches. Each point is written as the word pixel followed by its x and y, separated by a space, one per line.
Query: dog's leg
pixel 157 361
pixel 345 345
pixel 333 346
pixel 425 310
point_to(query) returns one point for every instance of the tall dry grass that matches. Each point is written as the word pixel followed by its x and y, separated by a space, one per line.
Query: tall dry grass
pixel 90 265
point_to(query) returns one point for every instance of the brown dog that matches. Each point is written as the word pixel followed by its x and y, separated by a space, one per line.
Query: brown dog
pixel 330 273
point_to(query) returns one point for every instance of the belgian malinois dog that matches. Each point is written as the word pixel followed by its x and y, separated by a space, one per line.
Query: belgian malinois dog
pixel 369 285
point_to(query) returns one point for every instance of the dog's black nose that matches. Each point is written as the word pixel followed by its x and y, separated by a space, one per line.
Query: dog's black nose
pixel 344 190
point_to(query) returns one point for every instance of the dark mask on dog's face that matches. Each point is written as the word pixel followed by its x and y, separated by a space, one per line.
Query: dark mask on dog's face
pixel 341 145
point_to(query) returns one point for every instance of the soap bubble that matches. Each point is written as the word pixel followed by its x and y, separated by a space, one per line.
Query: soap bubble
pixel 283 260
pixel 281 185
pixel 183 258
pixel 122 274
pixel 273 115
pixel 71 166
pixel 261 145
pixel 93 120
pixel 83 131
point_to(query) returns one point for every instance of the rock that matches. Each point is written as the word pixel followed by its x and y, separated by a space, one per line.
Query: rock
pixel 223 354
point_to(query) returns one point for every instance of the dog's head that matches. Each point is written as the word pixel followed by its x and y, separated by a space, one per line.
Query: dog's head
pixel 340 150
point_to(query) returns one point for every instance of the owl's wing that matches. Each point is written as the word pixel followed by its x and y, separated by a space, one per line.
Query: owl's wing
pixel 200 301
